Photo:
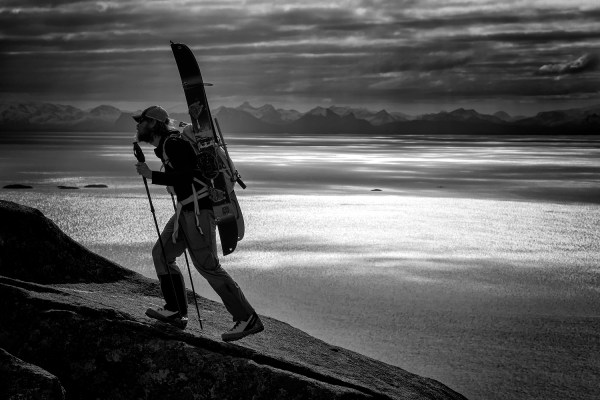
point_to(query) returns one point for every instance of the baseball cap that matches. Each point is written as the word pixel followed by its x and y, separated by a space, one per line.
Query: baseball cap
pixel 154 112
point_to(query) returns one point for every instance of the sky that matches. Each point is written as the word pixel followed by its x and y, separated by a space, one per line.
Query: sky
pixel 520 56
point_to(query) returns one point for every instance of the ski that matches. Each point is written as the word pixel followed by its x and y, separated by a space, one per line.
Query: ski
pixel 221 175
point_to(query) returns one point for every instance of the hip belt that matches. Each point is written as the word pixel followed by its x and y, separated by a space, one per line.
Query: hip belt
pixel 193 198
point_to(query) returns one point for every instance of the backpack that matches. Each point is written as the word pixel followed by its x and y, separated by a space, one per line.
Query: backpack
pixel 211 160
pixel 218 173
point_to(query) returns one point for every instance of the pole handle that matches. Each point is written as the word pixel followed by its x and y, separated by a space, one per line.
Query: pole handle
pixel 138 153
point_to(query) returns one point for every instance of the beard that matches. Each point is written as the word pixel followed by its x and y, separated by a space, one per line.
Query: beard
pixel 145 136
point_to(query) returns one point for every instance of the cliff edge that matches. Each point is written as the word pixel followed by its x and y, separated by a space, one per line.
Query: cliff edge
pixel 72 325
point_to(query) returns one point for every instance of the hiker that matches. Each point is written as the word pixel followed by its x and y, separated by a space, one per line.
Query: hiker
pixel 192 227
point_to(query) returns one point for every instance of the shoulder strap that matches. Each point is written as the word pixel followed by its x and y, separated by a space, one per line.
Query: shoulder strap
pixel 178 135
pixel 173 135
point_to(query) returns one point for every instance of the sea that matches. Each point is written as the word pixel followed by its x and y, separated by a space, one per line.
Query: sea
pixel 470 259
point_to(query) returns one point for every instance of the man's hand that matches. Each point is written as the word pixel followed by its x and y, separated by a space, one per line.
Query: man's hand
pixel 143 170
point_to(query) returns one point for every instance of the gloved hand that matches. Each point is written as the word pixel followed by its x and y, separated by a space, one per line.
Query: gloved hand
pixel 143 170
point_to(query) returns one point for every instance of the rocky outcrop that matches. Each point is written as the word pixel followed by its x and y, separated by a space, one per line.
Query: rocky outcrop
pixel 17 186
pixel 21 380
pixel 21 186
pixel 79 317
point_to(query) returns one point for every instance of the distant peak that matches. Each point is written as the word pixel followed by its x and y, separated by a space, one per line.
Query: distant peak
pixel 266 107
pixel 320 111
pixel 246 104
pixel 503 115
pixel 104 108
pixel 464 111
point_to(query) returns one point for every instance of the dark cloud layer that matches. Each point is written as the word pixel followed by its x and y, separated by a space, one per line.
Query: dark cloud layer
pixel 389 53
pixel 582 64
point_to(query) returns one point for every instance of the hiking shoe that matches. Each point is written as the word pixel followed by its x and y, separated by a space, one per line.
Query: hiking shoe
pixel 170 317
pixel 244 328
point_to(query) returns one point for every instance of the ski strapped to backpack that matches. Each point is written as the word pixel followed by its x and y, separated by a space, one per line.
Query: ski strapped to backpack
pixel 218 173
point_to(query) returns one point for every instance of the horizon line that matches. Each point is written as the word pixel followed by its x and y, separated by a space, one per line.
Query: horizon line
pixel 179 107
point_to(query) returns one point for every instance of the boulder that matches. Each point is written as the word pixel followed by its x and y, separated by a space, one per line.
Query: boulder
pixel 17 186
pixel 21 380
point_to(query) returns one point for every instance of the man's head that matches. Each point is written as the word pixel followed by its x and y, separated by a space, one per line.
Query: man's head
pixel 151 122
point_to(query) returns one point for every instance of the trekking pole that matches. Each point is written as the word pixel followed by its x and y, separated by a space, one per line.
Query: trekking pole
pixel 137 152
pixel 188 267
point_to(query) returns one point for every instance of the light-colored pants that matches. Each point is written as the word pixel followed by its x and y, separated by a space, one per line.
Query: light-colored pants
pixel 202 247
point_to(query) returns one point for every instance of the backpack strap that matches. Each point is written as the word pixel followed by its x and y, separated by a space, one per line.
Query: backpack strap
pixel 166 161
pixel 196 195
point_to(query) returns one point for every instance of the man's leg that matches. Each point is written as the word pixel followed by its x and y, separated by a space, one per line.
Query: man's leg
pixel 170 277
pixel 203 250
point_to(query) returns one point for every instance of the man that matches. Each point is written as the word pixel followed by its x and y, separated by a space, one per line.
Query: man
pixel 192 227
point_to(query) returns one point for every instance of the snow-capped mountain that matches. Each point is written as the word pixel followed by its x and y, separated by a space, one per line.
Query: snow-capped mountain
pixel 335 119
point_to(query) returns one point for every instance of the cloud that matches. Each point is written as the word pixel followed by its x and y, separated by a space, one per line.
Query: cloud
pixel 586 62
pixel 421 60
pixel 346 50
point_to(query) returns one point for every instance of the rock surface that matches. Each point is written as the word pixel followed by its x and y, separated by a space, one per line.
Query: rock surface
pixel 21 380
pixel 81 318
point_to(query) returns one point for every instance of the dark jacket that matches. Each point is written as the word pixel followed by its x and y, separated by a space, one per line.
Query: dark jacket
pixel 179 170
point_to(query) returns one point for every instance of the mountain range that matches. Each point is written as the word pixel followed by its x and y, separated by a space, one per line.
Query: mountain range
pixel 332 120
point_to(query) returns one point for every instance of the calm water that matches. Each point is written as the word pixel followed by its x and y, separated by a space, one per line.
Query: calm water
pixel 477 263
